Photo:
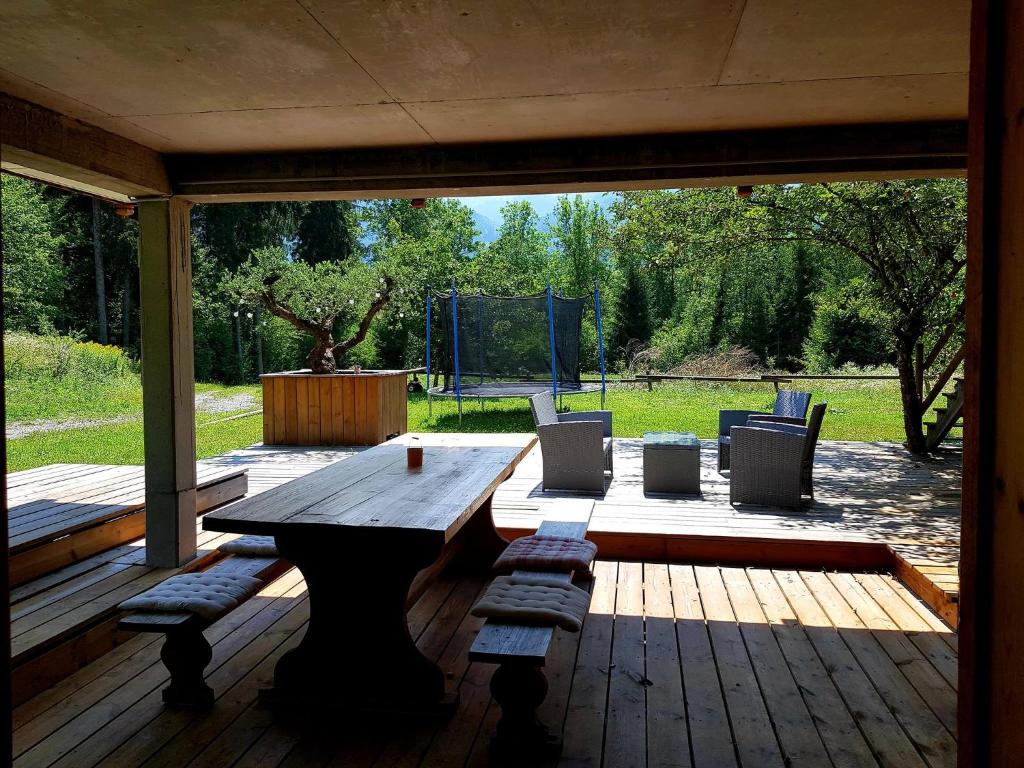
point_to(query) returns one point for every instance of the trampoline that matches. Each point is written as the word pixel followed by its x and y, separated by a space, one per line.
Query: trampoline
pixel 508 346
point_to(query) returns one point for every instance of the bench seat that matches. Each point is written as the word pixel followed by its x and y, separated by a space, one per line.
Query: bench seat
pixel 519 684
pixel 186 651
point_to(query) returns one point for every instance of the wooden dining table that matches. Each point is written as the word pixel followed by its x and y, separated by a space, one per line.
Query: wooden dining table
pixel 368 535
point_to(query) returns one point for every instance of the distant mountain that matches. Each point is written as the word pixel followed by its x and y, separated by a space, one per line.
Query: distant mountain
pixel 486 227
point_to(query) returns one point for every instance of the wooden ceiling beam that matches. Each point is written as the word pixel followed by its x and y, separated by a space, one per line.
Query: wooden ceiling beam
pixel 692 159
pixel 45 145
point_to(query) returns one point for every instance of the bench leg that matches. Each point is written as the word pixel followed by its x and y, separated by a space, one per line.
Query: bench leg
pixel 186 654
pixel 519 689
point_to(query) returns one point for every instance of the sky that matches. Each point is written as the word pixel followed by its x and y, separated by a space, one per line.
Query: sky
pixel 543 204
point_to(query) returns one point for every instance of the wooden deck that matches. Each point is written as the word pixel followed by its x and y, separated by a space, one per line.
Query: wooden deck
pixel 66 618
pixel 61 513
pixel 676 665
pixel 875 507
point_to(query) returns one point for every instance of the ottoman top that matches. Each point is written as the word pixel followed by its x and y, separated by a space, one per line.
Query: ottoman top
pixel 681 440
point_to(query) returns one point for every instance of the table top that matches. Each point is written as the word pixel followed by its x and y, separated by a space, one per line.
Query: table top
pixel 671 440
pixel 375 489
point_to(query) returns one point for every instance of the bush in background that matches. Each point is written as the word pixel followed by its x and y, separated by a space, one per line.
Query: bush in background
pixel 55 357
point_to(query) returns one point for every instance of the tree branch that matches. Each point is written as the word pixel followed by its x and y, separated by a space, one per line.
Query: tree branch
pixel 364 326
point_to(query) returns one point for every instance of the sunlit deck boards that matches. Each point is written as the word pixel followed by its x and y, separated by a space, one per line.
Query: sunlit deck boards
pixel 865 493
pixel 61 513
pixel 66 618
pixel 675 665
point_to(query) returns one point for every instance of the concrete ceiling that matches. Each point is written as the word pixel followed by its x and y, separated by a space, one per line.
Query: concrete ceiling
pixel 275 75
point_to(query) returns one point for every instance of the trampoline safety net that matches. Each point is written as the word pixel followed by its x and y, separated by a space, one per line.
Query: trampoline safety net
pixel 504 343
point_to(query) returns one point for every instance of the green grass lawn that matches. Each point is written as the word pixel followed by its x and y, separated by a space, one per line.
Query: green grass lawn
pixel 857 411
pixel 868 410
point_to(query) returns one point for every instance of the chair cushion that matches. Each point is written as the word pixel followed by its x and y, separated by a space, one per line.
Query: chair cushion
pixel 208 595
pixel 250 546
pixel 546 553
pixel 534 600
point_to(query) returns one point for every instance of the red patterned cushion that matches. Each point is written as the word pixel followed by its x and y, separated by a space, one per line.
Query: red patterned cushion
pixel 558 554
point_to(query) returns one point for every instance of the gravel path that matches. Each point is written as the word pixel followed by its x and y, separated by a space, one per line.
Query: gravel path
pixel 206 402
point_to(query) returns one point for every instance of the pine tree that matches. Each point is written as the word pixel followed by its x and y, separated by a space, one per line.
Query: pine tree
pixel 632 314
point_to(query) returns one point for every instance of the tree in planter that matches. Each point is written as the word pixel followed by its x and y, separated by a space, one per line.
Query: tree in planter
pixel 315 298
pixel 911 235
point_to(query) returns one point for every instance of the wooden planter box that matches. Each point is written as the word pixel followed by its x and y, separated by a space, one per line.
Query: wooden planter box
pixel 300 408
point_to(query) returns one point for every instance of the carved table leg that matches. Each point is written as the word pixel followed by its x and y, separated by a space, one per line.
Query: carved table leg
pixel 519 689
pixel 357 651
pixel 479 542
pixel 186 654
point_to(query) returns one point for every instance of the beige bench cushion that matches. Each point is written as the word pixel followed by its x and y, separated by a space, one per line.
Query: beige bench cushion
pixel 534 600
pixel 209 595
pixel 560 554
pixel 250 546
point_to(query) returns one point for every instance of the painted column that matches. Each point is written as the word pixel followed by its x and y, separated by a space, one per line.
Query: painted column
pixel 168 382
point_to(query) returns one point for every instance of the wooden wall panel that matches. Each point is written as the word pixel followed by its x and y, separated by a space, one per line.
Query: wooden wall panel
pixel 333 410
pixel 991 686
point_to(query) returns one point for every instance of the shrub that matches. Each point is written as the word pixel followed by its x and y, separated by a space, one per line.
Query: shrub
pixel 28 356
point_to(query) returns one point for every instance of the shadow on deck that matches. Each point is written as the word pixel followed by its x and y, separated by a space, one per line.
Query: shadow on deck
pixel 675 664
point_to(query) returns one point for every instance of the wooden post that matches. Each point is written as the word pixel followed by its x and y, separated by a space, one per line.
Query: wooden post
pixel 6 746
pixel 168 382
pixel 991 670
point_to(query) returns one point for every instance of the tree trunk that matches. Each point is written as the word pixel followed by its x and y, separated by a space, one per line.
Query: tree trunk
pixel 321 357
pixel 101 287
pixel 911 396
pixel 126 309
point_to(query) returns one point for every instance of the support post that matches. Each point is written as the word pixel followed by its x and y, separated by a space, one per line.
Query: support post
pixel 168 382
pixel 6 704
pixel 991 659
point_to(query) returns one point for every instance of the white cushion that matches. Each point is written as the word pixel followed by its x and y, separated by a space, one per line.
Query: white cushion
pixel 209 595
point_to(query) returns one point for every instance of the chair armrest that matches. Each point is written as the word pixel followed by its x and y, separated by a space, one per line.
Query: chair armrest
pixel 771 418
pixel 729 419
pixel 605 417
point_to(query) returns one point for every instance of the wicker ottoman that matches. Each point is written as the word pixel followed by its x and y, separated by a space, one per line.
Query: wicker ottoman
pixel 671 462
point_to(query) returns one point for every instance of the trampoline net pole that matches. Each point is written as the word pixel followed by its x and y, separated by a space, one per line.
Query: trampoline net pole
pixel 551 338
pixel 430 409
pixel 600 336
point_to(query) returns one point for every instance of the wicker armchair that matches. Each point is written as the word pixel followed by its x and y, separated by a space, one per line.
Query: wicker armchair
pixel 788 404
pixel 576 448
pixel 773 463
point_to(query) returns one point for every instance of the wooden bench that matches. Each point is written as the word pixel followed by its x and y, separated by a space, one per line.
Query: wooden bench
pixel 186 651
pixel 519 684
pixel 60 514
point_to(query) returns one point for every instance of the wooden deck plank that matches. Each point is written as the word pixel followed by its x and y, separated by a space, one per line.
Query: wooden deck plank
pixel 925 730
pixel 786 708
pixel 111 714
pixel 834 721
pixel 625 727
pixel 880 727
pixel 756 743
pixel 667 733
pixel 711 738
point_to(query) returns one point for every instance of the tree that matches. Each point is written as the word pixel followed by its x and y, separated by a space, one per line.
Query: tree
pixel 230 232
pixel 911 236
pixel 632 318
pixel 327 230
pixel 317 299
pixel 579 231
pixel 517 261
pixel 34 275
